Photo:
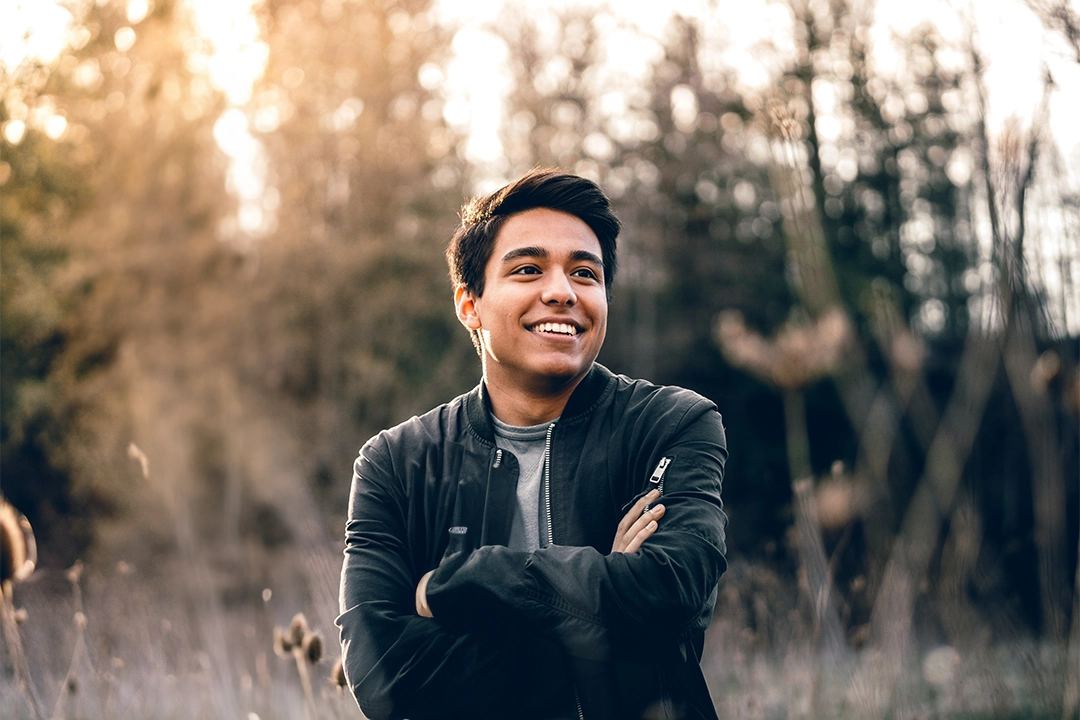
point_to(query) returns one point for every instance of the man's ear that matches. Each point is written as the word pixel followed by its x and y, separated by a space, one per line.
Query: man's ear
pixel 465 302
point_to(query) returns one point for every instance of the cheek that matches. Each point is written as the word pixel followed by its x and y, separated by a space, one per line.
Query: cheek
pixel 601 313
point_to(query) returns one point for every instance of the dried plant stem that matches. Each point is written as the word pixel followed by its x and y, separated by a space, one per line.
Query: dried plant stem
pixel 70 679
pixel 1040 430
pixel 79 651
pixel 1007 192
pixel 305 681
pixel 828 632
pixel 1072 675
pixel 815 280
pixel 14 644
pixel 871 409
pixel 933 499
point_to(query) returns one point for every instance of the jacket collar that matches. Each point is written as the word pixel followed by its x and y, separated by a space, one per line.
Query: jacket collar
pixel 581 402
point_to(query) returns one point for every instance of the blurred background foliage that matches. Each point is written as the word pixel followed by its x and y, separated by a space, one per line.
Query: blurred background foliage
pixel 879 292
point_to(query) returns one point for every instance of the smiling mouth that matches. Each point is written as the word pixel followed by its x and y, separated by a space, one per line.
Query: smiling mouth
pixel 550 328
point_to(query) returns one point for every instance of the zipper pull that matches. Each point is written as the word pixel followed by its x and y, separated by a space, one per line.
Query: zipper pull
pixel 498 458
pixel 658 474
pixel 657 478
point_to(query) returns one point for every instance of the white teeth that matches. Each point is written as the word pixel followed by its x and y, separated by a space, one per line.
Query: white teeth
pixel 560 328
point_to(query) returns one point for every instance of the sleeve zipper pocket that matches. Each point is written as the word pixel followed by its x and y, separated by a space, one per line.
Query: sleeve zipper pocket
pixel 655 482
pixel 657 478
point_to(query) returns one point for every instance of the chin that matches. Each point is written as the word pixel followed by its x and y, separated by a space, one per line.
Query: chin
pixel 562 372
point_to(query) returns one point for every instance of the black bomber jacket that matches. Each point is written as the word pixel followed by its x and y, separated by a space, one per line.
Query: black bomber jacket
pixel 570 630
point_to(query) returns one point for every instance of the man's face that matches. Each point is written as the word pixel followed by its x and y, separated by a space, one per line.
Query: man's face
pixel 543 315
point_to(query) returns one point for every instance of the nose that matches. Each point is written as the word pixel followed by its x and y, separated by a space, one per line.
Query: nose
pixel 558 290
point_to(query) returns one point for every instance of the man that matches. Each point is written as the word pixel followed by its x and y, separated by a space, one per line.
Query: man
pixel 481 578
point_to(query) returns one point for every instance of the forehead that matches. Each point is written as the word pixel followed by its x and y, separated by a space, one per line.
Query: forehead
pixel 557 233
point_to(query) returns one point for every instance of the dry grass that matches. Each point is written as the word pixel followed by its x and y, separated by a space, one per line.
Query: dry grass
pixel 143 653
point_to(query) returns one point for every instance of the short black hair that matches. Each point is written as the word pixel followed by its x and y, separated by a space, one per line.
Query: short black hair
pixel 482 217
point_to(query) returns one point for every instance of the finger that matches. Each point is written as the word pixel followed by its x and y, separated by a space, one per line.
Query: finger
pixel 634 513
pixel 654 513
pixel 422 608
pixel 639 539
pixel 624 540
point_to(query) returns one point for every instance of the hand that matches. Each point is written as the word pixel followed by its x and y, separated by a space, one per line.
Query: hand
pixel 422 608
pixel 637 526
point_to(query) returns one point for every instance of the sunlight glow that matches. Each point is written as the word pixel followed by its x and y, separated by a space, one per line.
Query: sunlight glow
pixel 749 37
pixel 32 28
pixel 237 55
pixel 234 61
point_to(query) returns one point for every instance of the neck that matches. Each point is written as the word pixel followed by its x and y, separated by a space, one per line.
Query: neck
pixel 522 406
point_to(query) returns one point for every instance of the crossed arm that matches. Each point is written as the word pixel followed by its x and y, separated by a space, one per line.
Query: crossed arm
pixel 634 529
pixel 401 664
pixel 405 665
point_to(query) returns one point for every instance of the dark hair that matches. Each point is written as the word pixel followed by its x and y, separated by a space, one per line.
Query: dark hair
pixel 482 218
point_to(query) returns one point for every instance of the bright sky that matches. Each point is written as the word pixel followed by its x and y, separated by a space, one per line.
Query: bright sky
pixel 1013 40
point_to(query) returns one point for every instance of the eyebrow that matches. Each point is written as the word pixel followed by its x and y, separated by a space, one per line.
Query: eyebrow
pixel 540 252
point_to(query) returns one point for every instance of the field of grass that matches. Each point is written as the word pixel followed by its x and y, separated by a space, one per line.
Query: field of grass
pixel 109 645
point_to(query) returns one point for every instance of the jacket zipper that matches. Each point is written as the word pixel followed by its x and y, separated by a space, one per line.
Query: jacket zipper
pixel 547 485
pixel 551 531
pixel 498 458
pixel 657 477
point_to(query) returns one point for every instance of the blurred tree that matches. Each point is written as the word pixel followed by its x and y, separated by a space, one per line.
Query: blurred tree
pixel 348 323
pixel 879 149
pixel 39 194
pixel 883 231
pixel 111 206
pixel 143 330
pixel 553 116
pixel 352 318
pixel 893 173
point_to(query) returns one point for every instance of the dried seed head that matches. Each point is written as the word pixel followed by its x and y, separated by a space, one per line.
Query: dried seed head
pixel 80 620
pixel 75 572
pixel 282 644
pixel 298 628
pixel 18 551
pixel 20 616
pixel 338 674
pixel 313 647
pixel 799 354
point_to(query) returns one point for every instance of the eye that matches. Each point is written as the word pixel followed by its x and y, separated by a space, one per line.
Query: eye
pixel 587 273
pixel 526 270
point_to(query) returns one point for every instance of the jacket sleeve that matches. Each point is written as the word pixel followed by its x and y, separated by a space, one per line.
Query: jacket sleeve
pixel 592 603
pixel 396 663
